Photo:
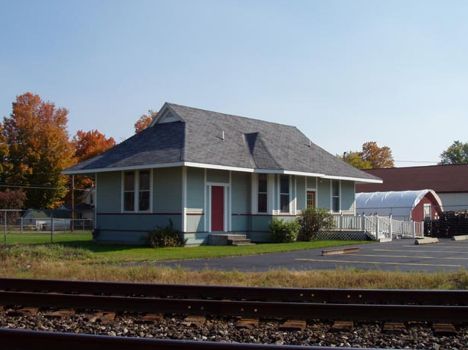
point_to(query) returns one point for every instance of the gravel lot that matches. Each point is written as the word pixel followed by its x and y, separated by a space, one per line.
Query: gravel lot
pixel 416 336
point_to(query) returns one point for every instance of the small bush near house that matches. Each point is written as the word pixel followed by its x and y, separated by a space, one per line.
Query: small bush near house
pixel 165 237
pixel 284 231
pixel 313 220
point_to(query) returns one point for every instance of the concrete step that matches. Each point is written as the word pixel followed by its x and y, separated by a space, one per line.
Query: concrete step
pixel 241 243
pixel 228 239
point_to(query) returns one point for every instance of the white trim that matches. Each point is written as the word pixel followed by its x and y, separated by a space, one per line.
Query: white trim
pixel 205 189
pixel 184 199
pixel 208 211
pixel 136 192
pixel 357 179
pixel 230 202
pixel 295 195
pixel 95 200
pixel 220 167
pixel 317 193
pixel 128 168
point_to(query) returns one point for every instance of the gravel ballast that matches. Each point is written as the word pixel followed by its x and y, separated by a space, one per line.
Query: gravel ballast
pixel 415 336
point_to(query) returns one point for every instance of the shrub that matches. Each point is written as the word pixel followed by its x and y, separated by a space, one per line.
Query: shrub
pixel 165 237
pixel 313 220
pixel 284 231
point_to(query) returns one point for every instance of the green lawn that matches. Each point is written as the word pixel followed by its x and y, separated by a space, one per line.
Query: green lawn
pixel 124 253
pixel 35 237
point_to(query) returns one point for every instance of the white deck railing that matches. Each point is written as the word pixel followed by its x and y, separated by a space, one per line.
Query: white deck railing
pixel 379 227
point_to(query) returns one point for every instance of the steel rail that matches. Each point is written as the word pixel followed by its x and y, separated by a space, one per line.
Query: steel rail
pixel 251 309
pixel 316 295
pixel 16 339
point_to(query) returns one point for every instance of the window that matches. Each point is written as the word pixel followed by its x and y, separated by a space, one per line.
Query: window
pixel 335 196
pixel 310 199
pixel 129 191
pixel 284 193
pixel 427 211
pixel 137 190
pixel 144 190
pixel 262 193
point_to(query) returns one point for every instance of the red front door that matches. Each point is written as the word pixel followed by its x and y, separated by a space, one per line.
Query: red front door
pixel 217 208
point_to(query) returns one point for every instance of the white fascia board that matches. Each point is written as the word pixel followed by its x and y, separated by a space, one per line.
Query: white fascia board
pixel 217 167
pixel 134 167
pixel 356 179
pixel 222 167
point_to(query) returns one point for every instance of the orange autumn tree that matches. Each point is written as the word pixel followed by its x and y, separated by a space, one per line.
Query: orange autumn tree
pixel 88 144
pixel 144 121
pixel 371 157
pixel 91 143
pixel 38 150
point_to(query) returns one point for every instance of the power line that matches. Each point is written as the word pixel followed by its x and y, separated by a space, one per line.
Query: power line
pixel 39 187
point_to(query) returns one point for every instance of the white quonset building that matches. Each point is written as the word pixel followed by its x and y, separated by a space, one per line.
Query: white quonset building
pixel 450 182
pixel 407 205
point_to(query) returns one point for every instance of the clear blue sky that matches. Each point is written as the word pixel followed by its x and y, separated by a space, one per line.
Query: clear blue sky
pixel 344 72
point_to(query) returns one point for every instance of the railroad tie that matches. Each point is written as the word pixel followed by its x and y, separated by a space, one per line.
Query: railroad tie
pixel 247 323
pixel 62 313
pixel 444 329
pixel 102 317
pixel 393 327
pixel 339 326
pixel 152 318
pixel 194 320
pixel 293 325
pixel 25 311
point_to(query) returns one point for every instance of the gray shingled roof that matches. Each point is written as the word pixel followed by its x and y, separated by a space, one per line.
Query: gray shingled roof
pixel 248 143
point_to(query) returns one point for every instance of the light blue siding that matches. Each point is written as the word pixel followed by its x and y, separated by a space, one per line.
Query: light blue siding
pixel 240 193
pixel 109 193
pixel 324 195
pixel 217 176
pixel 195 184
pixel 300 185
pixel 347 197
pixel 115 226
pixel 132 228
pixel 167 190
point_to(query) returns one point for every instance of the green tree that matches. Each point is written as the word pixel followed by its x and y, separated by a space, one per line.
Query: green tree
pixel 355 159
pixel 370 157
pixel 457 153
pixel 38 150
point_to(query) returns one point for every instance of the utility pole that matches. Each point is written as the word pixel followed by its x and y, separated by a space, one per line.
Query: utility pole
pixel 72 202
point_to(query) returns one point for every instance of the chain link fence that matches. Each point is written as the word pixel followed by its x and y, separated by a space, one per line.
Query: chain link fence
pixel 17 226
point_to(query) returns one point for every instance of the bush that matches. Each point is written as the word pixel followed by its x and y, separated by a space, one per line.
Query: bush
pixel 313 220
pixel 284 231
pixel 165 237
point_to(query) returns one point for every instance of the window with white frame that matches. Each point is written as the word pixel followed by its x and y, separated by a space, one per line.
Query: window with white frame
pixel 144 190
pixel 262 206
pixel 284 193
pixel 137 190
pixel 335 196
pixel 427 211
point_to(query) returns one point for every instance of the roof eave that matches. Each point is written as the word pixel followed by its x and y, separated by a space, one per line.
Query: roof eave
pixel 221 167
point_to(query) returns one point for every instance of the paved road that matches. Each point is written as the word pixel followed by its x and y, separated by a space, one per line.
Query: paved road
pixel 400 255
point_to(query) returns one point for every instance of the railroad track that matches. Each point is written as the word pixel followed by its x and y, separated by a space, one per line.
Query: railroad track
pixel 445 309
